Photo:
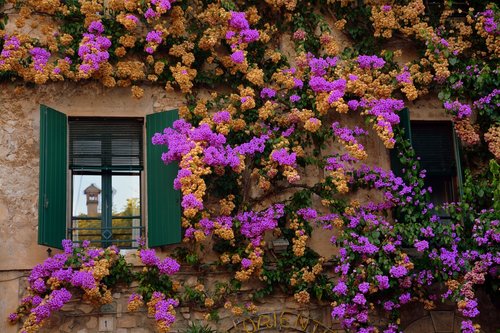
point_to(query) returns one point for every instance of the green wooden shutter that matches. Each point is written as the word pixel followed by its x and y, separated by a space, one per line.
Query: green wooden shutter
pixel 164 210
pixel 404 124
pixel 53 173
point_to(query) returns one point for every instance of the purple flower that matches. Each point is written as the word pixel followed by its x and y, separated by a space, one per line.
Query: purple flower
pixel 168 266
pixel 246 263
pixel 404 298
pixel 340 288
pixel 368 62
pixel 83 279
pixel 190 201
pixel 359 299
pixel 238 57
pixel 96 27
pixel 294 98
pixel 398 271
pixel 249 35
pixel 150 13
pixel 364 287
pixel 297 83
pixel 67 245
pixel 389 305
pixel 467 326
pixel 353 104
pixel 267 93
pixel 148 257
pixel 40 58
pixel 238 21
pixel 221 117
pixel 283 157
pixel 421 245
pixel 307 213
pixel 458 109
pixel 154 36
pixel 382 281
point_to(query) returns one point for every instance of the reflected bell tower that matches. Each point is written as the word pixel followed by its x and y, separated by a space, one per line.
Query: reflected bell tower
pixel 92 192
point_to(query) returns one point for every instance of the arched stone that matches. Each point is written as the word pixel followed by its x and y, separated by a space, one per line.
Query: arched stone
pixel 420 326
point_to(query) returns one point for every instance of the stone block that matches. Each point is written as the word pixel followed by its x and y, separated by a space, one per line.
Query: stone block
pixel 443 321
pixel 91 323
pixel 127 322
pixel 139 330
pixel 86 308
pixel 121 330
pixel 67 327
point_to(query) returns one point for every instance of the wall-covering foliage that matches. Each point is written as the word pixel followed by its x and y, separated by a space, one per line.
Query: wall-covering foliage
pixel 271 120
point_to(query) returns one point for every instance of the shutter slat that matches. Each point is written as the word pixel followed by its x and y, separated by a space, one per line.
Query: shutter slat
pixel 433 143
pixel 106 143
pixel 53 171
pixel 164 210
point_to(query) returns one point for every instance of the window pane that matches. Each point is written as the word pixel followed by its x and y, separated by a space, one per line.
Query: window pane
pixel 87 230
pixel 126 231
pixel 87 196
pixel 126 195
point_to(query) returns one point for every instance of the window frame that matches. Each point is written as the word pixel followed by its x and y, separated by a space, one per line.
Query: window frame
pixel 160 202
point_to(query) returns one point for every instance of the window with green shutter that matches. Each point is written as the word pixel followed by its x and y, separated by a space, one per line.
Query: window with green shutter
pixel 105 161
pixel 433 142
pixel 436 146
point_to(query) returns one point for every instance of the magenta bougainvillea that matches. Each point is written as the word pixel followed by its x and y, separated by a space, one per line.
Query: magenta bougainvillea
pixel 280 148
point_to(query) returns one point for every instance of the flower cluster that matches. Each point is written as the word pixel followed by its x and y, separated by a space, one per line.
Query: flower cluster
pixel 78 268
pixel 239 35
pixel 93 50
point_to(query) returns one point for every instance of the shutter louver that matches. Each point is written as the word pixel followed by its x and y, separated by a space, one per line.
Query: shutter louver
pixel 53 171
pixel 433 143
pixel 105 144
pixel 164 209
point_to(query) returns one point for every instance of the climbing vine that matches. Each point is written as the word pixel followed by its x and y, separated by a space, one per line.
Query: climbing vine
pixel 289 100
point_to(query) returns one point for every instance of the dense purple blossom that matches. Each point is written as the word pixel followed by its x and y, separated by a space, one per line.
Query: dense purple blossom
pixel 238 21
pixel 40 58
pixel 221 117
pixel 250 35
pixel 382 281
pixel 168 266
pixel 458 109
pixel 83 279
pixel 368 62
pixel 398 271
pixel 340 288
pixel 148 257
pixel 238 57
pixel 190 201
pixel 267 93
pixel 421 245
pixel 283 157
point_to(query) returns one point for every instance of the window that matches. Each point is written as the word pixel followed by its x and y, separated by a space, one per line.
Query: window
pixel 106 162
pixel 118 186
pixel 435 144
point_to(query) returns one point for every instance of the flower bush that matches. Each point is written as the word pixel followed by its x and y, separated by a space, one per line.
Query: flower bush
pixel 246 153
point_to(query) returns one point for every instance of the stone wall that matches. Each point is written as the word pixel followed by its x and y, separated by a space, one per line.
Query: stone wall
pixel 19 159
